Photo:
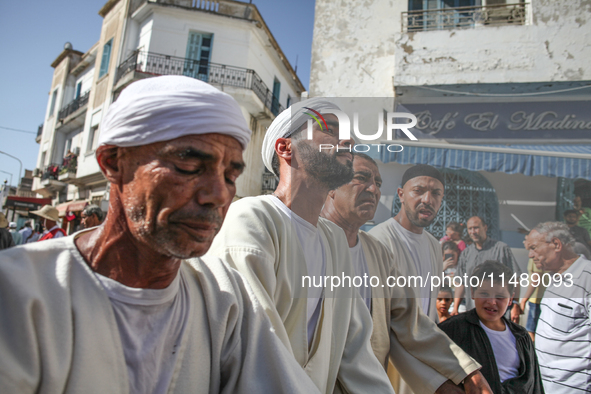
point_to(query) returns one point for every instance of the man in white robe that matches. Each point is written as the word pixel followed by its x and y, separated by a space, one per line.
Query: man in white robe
pixel 417 253
pixel 426 358
pixel 128 306
pixel 282 247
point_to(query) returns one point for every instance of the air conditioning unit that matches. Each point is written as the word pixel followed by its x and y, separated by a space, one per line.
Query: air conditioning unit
pixel 36 172
pixel 76 151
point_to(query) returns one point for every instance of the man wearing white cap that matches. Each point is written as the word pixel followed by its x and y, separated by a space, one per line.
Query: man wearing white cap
pixel 279 243
pixel 128 306
pixel 16 236
pixel 50 217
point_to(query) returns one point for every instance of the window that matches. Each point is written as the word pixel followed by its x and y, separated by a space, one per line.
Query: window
pixel 288 101
pixel 275 100
pixel 53 100
pixel 106 57
pixel 92 139
pixel 78 90
pixel 198 55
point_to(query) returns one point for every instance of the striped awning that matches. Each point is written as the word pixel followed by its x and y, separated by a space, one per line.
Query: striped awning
pixel 568 161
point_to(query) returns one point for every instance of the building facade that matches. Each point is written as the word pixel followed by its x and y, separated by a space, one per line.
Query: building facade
pixel 225 43
pixel 501 91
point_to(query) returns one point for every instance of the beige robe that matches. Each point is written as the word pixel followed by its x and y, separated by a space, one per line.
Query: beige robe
pixel 257 238
pixel 423 354
pixel 387 235
pixel 58 332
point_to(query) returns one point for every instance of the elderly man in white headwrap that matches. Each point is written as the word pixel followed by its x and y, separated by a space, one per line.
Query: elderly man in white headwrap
pixel 282 247
pixel 128 307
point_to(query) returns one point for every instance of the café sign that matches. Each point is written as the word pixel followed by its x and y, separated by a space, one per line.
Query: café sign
pixel 529 120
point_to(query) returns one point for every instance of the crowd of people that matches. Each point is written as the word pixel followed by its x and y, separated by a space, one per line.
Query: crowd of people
pixel 180 290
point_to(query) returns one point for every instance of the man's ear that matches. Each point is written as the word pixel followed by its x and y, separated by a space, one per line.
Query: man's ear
pixel 331 194
pixel 400 194
pixel 283 148
pixel 107 158
pixel 557 244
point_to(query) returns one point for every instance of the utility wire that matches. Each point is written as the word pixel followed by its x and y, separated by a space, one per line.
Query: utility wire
pixel 19 130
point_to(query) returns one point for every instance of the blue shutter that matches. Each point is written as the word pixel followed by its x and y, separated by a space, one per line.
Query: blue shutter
pixel 106 57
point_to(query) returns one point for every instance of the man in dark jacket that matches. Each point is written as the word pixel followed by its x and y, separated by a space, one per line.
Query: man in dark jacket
pixel 6 240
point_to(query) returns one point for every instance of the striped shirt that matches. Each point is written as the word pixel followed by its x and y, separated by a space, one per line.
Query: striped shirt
pixel 563 335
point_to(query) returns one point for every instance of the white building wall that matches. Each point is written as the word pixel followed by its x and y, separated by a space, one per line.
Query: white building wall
pixel 363 51
pixel 353 47
pixel 553 47
pixel 86 79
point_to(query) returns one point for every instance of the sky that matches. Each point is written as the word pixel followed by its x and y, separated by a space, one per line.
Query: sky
pixel 34 34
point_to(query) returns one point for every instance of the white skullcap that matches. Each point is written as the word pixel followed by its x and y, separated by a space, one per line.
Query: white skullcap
pixel 164 108
pixel 288 122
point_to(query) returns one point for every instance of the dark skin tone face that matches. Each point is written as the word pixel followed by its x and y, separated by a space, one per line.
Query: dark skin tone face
pixel 89 221
pixel 168 201
pixel 421 199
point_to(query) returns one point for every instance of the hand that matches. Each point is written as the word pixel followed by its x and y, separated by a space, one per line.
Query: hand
pixel 454 311
pixel 515 312
pixel 448 263
pixel 448 387
pixel 475 383
pixel 522 304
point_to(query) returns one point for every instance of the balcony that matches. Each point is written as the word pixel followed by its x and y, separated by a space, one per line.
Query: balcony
pixel 67 171
pixel 73 106
pixel 270 182
pixel 464 17
pixel 49 183
pixel 152 64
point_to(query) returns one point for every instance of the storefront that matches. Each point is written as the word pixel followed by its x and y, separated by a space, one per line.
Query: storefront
pixel 18 208
pixel 514 160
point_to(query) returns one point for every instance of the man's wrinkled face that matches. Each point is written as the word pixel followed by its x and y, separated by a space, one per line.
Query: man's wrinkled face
pixel 88 221
pixel 358 200
pixel 477 230
pixel 176 193
pixel 332 167
pixel 544 253
pixel 421 199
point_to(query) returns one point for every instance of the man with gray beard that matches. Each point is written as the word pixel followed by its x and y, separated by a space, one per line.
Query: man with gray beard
pixel 278 241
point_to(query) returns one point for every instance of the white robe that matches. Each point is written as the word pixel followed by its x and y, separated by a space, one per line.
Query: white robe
pixel 421 352
pixel 387 235
pixel 58 332
pixel 257 238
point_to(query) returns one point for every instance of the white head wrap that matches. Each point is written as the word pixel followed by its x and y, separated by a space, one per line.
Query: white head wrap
pixel 288 122
pixel 164 108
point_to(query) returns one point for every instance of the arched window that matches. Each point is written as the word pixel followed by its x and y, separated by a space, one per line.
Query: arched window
pixel 467 194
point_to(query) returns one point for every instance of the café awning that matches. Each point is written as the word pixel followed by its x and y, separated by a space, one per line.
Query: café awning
pixel 553 160
pixel 71 206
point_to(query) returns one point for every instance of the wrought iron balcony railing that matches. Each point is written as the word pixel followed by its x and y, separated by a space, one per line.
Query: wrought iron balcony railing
pixel 221 74
pixel 74 105
pixel 270 182
pixel 464 17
